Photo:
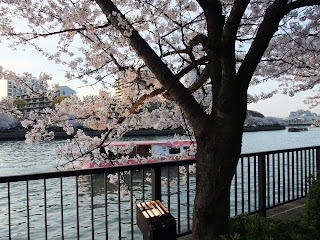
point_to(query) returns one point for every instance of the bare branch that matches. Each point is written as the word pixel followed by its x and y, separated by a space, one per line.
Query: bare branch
pixel 200 80
pixel 301 3
pixel 191 66
pixel 37 35
pixel 268 27
pixel 161 71
pixel 233 22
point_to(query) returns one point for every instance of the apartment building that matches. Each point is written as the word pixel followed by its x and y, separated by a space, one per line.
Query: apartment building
pixel 41 101
pixel 37 102
pixel 9 90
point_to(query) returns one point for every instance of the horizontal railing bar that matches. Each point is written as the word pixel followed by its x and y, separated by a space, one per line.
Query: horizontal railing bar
pixel 277 151
pixel 99 170
pixel 121 168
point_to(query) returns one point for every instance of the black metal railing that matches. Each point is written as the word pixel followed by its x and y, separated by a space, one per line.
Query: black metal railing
pixel 91 203
pixel 266 180
pixel 99 203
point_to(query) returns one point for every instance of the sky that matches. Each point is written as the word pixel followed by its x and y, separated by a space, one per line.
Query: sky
pixel 31 61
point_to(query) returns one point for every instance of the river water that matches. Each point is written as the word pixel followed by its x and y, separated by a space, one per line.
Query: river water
pixel 18 158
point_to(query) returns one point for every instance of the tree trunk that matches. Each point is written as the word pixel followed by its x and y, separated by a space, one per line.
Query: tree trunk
pixel 218 150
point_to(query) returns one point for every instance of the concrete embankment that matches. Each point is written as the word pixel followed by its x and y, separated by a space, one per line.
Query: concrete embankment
pixel 20 133
pixel 262 128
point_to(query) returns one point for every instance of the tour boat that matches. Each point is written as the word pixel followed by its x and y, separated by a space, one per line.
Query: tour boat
pixel 161 149
pixel 298 127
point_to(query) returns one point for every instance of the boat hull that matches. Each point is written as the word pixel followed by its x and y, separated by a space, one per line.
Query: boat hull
pixel 297 129
pixel 146 151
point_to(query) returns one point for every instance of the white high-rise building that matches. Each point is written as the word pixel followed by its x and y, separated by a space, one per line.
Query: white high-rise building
pixel 119 88
pixel 9 90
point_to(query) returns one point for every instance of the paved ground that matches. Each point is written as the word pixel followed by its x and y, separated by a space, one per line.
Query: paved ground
pixel 288 211
pixel 285 212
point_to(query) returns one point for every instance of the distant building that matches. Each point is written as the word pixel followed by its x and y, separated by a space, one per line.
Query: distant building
pixel 42 101
pixel 9 90
pixel 35 102
pixel 120 88
pixel 66 91
pixel 302 113
pixel 302 116
pixel 190 79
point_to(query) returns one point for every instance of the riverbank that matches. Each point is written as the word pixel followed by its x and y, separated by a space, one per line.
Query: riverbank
pixel 262 128
pixel 19 134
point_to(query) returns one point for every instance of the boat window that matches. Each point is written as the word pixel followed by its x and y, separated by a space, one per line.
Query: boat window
pixel 141 150
pixel 174 150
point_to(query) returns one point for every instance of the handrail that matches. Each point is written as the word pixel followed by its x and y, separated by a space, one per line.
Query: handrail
pixel 277 151
pixel 121 168
pixel 98 170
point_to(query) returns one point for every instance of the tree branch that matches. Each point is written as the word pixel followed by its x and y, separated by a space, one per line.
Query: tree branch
pixel 145 97
pixel 36 35
pixel 200 80
pixel 301 3
pixel 268 27
pixel 196 85
pixel 192 66
pixel 169 81
pixel 233 22
pixel 215 20
pixel 200 38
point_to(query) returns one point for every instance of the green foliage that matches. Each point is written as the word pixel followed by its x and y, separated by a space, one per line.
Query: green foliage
pixel 249 227
pixel 20 104
pixel 312 211
pixel 58 100
pixel 254 227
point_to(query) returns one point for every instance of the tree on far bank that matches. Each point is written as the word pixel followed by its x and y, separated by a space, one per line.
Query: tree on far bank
pixel 228 45
pixel 20 104
pixel 9 115
pixel 254 114
pixel 7 122
pixel 58 100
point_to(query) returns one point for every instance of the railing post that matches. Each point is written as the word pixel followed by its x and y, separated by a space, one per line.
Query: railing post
pixel 156 183
pixel 318 162
pixel 262 184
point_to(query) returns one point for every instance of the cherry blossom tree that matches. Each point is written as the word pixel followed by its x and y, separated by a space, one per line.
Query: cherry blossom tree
pixel 266 121
pixel 230 44
pixel 7 122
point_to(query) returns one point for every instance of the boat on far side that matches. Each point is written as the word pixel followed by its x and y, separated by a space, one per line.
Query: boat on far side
pixel 298 127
